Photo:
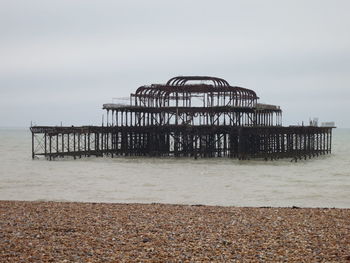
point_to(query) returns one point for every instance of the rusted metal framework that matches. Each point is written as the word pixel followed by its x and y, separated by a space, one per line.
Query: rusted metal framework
pixel 188 116
pixel 193 101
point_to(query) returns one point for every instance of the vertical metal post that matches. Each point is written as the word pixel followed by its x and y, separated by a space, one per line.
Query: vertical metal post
pixel 57 143
pixel 33 153
pixel 74 145
pixel 45 144
pixel 62 143
pixel 50 147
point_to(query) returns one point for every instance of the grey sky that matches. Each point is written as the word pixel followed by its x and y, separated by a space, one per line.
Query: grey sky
pixel 61 60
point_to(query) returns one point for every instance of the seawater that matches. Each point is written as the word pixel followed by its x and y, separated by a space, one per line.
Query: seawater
pixel 318 182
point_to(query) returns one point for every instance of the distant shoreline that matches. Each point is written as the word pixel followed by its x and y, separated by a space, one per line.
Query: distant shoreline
pixel 80 232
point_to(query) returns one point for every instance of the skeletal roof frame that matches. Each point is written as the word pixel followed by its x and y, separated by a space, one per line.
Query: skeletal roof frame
pixel 181 85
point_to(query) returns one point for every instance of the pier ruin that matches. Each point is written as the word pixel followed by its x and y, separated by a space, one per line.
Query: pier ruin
pixel 189 116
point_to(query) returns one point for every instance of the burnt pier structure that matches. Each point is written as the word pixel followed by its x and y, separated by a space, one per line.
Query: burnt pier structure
pixel 190 116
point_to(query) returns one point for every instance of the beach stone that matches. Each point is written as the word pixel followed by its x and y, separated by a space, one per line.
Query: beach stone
pixel 86 232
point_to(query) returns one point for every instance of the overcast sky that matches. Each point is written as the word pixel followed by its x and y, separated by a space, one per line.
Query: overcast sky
pixel 61 60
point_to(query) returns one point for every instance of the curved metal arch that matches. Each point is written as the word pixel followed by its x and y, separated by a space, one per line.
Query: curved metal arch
pixel 182 80
pixel 140 89
pixel 157 95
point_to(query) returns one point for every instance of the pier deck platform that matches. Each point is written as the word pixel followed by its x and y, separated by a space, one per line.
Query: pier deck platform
pixel 181 141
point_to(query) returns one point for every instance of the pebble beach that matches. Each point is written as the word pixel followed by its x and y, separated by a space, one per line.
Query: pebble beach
pixel 105 232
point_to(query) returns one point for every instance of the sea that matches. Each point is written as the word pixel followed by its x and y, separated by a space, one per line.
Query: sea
pixel 319 182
